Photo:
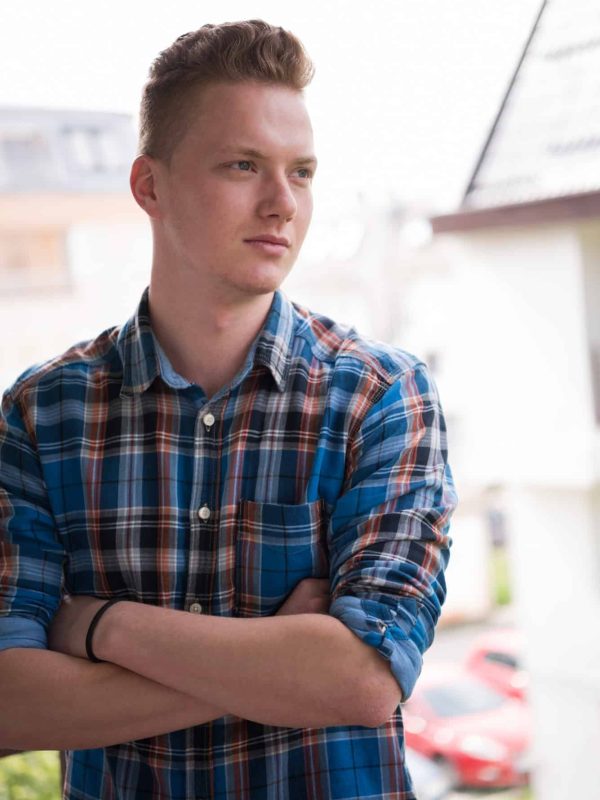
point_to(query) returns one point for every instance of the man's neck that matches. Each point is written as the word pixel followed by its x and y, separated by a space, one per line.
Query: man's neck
pixel 206 339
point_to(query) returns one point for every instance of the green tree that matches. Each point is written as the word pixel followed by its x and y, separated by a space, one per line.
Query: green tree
pixel 30 776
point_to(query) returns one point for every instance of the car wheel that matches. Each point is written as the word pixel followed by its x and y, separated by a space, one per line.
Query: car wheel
pixel 449 771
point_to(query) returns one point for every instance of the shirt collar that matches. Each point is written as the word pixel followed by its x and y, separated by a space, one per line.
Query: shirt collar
pixel 167 370
pixel 135 345
pixel 141 363
pixel 274 342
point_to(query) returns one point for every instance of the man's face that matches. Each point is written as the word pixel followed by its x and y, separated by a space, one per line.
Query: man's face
pixel 238 181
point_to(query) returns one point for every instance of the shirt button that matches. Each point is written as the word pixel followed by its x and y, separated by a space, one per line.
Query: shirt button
pixel 208 421
pixel 204 513
pixel 381 627
pixel 196 608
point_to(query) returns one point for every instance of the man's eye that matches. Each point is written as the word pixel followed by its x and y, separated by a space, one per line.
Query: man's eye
pixel 304 172
pixel 243 166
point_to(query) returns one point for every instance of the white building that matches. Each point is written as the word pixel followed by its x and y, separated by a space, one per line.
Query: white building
pixel 70 231
pixel 522 347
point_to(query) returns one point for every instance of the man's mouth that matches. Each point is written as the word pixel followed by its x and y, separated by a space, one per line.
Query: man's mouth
pixel 273 245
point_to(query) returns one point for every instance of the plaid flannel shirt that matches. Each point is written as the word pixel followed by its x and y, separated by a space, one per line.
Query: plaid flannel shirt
pixel 324 457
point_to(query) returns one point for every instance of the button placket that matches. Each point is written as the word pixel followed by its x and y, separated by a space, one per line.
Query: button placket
pixel 204 507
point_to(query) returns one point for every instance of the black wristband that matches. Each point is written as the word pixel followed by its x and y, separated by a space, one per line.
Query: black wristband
pixel 92 628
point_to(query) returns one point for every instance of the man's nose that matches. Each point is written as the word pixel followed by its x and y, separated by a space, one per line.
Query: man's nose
pixel 278 199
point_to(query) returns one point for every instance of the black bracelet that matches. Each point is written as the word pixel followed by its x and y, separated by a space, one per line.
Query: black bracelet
pixel 92 628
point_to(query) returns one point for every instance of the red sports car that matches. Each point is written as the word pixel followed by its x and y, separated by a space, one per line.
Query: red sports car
pixel 496 658
pixel 480 736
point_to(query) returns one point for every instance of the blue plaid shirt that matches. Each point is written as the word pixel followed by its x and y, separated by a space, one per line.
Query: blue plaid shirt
pixel 325 456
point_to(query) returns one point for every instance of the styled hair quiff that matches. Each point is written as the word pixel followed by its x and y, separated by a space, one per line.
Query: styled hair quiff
pixel 251 50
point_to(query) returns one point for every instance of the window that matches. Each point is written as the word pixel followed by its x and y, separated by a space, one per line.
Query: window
pixel 81 150
pixel 93 150
pixel 26 158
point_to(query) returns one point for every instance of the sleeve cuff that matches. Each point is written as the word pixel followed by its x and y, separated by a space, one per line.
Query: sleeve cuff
pixel 22 632
pixel 384 629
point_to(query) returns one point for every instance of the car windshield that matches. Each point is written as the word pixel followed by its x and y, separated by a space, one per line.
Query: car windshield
pixel 462 697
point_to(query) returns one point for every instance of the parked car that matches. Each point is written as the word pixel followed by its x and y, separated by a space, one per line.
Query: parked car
pixel 495 657
pixel 480 737
pixel 430 780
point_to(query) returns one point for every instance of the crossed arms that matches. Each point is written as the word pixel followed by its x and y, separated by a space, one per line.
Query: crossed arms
pixel 170 669
pixel 173 669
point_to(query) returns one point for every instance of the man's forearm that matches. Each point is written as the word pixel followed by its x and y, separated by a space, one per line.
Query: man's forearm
pixel 305 670
pixel 52 701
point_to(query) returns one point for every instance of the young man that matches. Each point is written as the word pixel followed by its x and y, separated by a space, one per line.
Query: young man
pixel 265 493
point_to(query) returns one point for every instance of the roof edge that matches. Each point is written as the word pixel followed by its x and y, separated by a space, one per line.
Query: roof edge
pixel 65 110
pixel 555 209
pixel 513 79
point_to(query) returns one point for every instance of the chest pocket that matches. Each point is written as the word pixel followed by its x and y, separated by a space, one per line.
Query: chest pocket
pixel 277 546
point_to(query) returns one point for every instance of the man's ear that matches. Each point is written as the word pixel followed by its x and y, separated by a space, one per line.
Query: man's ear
pixel 143 181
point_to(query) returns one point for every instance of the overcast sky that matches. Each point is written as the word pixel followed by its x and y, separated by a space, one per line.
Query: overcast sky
pixel 404 93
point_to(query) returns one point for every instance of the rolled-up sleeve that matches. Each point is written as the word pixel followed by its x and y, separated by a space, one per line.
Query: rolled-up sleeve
pixel 31 556
pixel 388 533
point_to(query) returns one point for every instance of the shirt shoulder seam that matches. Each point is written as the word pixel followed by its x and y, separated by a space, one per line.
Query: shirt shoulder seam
pixel 85 352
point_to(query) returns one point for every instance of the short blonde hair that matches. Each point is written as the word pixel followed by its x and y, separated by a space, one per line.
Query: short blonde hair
pixel 251 50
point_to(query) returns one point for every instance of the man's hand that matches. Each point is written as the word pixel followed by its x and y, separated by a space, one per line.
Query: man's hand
pixel 70 625
pixel 310 596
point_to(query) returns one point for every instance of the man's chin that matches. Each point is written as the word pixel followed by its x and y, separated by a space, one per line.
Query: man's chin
pixel 265 281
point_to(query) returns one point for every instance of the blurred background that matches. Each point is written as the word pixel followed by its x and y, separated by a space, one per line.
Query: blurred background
pixel 457 210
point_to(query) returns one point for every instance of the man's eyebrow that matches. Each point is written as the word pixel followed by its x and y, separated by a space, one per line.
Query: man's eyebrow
pixel 252 153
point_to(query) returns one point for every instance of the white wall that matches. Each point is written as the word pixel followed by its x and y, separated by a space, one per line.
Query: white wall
pixel 556 562
pixel 469 596
pixel 515 355
pixel 514 340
